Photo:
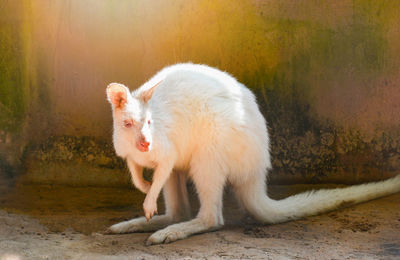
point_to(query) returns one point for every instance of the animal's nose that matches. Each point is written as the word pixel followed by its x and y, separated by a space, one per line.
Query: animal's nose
pixel 144 143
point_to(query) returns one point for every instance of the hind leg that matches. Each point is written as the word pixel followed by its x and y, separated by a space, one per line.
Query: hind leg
pixel 209 181
pixel 177 209
pixel 176 198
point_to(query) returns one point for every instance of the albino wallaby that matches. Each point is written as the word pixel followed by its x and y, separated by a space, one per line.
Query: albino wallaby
pixel 196 121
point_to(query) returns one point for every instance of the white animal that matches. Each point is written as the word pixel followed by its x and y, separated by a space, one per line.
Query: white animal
pixel 194 121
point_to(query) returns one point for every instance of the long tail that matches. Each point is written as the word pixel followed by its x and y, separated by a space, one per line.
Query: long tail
pixel 267 210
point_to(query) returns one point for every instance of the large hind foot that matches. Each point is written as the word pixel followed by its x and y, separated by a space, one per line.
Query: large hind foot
pixel 180 231
pixel 140 225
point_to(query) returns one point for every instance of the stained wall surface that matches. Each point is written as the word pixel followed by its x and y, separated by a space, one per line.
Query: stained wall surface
pixel 326 75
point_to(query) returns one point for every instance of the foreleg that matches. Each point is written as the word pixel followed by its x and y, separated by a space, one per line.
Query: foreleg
pixel 161 174
pixel 137 176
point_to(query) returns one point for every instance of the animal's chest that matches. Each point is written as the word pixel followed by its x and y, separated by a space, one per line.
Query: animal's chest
pixel 143 159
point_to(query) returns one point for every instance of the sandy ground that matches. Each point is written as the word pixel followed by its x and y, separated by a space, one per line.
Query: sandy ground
pixel 54 222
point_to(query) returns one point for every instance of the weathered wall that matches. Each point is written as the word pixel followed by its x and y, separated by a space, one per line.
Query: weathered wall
pixel 326 74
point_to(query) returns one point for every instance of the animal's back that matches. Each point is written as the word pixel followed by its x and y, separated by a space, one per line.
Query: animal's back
pixel 200 91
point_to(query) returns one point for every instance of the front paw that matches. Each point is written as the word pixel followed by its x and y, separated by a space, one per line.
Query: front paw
pixel 150 208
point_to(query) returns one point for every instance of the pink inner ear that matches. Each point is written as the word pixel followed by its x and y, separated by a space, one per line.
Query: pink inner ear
pixel 146 95
pixel 118 99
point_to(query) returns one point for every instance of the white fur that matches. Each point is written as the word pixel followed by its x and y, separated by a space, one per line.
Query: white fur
pixel 206 125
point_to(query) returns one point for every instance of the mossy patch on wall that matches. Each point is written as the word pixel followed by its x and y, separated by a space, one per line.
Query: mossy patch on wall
pixel 14 87
pixel 85 149
pixel 78 161
pixel 12 81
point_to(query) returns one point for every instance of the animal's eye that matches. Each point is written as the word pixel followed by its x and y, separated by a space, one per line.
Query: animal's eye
pixel 128 123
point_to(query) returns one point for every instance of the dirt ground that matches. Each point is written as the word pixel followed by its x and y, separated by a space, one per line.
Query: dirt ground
pixel 56 222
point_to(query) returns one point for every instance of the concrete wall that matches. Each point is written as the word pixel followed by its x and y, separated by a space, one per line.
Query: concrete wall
pixel 326 74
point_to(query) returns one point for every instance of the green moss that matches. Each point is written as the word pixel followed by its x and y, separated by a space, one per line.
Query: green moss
pixel 13 84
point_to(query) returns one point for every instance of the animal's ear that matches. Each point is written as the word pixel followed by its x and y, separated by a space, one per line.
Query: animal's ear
pixel 117 94
pixel 146 95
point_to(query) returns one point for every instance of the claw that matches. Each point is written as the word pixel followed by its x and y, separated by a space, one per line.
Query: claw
pixel 150 209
